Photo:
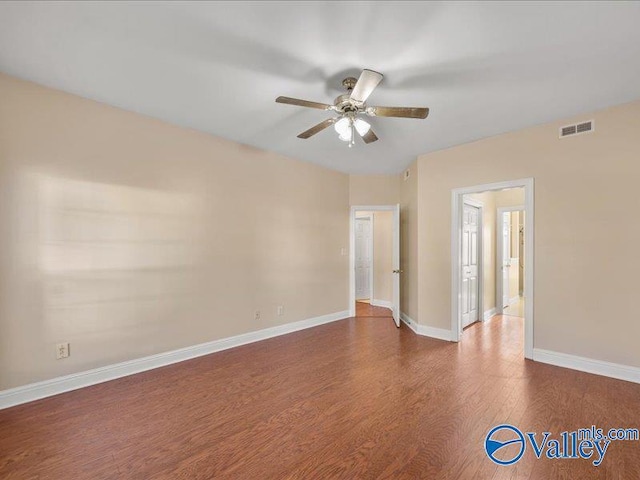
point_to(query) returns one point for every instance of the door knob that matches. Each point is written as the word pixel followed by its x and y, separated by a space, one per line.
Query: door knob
pixel 397 271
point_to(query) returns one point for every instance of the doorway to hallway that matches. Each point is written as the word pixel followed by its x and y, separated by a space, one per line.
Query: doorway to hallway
pixel 374 256
pixel 364 256
pixel 480 281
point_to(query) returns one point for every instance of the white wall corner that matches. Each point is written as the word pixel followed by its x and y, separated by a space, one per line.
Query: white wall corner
pixel 433 332
pixel 589 365
pixel 488 314
pixel 426 331
pixel 55 386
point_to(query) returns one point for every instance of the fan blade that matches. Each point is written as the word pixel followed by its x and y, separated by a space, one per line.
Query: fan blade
pixel 369 137
pixel 303 103
pixel 317 128
pixel 403 112
pixel 367 82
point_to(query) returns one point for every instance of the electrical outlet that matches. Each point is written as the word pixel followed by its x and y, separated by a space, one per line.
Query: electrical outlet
pixel 62 350
pixel 280 310
pixel 257 314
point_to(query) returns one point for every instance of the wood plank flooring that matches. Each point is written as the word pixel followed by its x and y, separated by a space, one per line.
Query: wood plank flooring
pixel 354 399
pixel 364 309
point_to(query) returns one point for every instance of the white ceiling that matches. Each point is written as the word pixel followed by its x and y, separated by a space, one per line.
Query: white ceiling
pixel 482 68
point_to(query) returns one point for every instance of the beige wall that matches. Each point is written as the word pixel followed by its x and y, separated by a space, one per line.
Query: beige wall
pixel 127 236
pixel 521 254
pixel 409 241
pixel 512 197
pixel 122 234
pixel 374 189
pixel 515 223
pixel 582 235
pixel 514 270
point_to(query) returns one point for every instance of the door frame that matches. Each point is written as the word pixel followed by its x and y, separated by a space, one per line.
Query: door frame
pixel 456 257
pixel 499 252
pixel 352 243
pixel 370 216
pixel 480 206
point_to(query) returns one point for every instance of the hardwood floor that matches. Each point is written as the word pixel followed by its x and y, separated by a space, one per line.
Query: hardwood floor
pixel 364 309
pixel 354 399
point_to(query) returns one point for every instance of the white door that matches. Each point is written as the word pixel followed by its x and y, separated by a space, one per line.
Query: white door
pixel 396 265
pixel 364 257
pixel 506 257
pixel 469 274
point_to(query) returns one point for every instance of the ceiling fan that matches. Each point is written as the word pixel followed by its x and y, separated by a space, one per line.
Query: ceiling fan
pixel 351 106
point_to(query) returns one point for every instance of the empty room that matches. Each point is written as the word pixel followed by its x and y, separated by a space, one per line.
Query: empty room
pixel 319 240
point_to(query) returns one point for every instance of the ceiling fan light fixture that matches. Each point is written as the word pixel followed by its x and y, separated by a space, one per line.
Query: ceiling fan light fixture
pixel 346 136
pixel 349 106
pixel 342 126
pixel 362 126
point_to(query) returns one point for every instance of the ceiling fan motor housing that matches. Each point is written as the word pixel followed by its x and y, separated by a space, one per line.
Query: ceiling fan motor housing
pixel 344 103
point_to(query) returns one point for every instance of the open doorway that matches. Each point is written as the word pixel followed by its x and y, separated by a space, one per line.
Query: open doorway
pixel 374 261
pixel 492 252
pixel 491 282
pixel 510 261
pixel 364 256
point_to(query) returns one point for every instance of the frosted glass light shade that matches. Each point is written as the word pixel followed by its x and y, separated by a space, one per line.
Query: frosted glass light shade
pixel 361 126
pixel 346 136
pixel 342 126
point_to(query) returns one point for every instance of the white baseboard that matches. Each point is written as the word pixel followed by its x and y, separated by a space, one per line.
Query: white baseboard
pixel 425 331
pixel 381 303
pixel 409 322
pixel 597 367
pixel 439 333
pixel 47 388
pixel 489 313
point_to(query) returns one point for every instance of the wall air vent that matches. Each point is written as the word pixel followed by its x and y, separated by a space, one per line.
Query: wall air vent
pixel 584 127
pixel 578 128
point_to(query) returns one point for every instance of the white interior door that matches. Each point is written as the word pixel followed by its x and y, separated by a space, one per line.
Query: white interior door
pixel 506 257
pixel 396 265
pixel 364 257
pixel 469 274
